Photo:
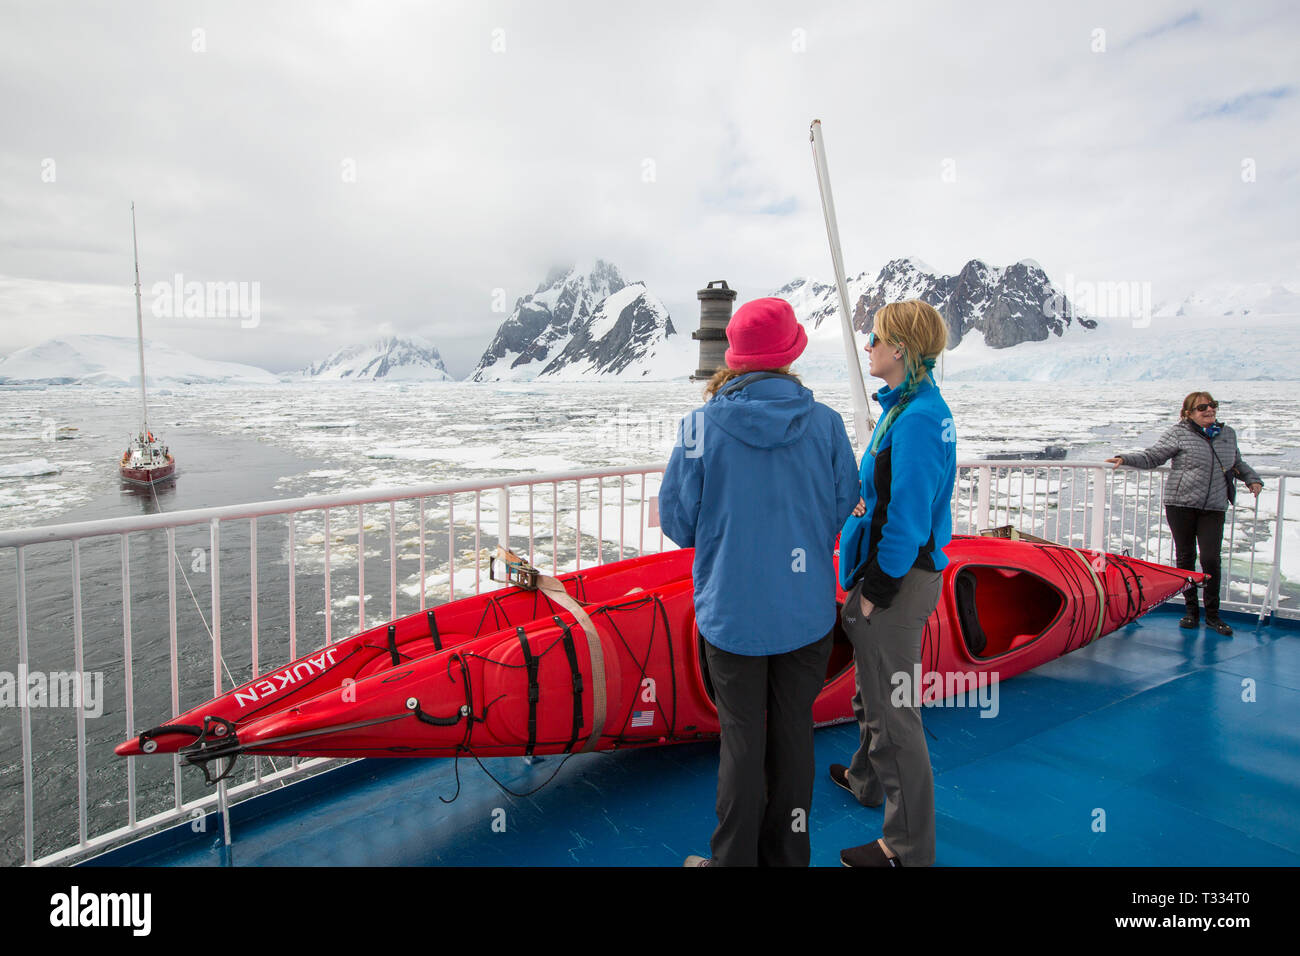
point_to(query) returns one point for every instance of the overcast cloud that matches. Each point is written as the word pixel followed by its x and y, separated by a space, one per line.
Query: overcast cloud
pixel 492 141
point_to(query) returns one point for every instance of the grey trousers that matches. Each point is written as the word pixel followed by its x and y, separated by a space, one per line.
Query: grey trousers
pixel 892 762
pixel 766 763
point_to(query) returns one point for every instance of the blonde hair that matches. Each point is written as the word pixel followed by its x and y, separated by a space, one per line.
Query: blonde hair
pixel 917 329
pixel 724 375
pixel 1192 399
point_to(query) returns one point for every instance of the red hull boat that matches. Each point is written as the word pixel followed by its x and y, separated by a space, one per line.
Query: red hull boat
pixel 511 672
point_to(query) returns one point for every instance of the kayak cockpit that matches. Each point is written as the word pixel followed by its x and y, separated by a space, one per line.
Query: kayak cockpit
pixel 1000 610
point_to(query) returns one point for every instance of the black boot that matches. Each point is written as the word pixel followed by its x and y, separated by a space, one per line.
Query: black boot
pixel 1216 623
pixel 1192 618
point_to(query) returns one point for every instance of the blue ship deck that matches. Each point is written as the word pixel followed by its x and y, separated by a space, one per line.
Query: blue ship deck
pixel 1147 725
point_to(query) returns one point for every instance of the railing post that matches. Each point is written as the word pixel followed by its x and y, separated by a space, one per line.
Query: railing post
pixel 1097 527
pixel 1270 602
pixel 982 498
pixel 503 517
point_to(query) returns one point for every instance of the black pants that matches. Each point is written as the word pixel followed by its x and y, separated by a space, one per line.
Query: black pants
pixel 1193 530
pixel 765 767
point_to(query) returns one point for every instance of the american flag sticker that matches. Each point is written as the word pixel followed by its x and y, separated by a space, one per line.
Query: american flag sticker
pixel 643 718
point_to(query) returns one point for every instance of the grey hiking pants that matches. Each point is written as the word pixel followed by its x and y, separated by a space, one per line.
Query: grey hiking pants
pixel 892 762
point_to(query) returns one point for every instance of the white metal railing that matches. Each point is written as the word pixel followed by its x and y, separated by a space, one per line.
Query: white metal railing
pixel 568 499
pixel 1085 504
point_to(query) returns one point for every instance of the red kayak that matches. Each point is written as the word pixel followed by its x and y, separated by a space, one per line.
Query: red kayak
pixel 511 672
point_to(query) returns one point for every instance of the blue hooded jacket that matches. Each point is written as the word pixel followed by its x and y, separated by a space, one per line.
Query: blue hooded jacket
pixel 907 487
pixel 760 480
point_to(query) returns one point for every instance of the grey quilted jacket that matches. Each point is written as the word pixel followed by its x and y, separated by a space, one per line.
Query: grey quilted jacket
pixel 1195 474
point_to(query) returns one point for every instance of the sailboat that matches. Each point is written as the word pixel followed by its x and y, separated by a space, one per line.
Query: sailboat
pixel 146 460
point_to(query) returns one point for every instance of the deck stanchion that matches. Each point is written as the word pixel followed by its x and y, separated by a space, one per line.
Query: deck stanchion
pixel 329 609
pixel 503 518
pixel 78 644
pixel 172 647
pixel 392 560
pixel 252 619
pixel 422 554
pixel 25 712
pixel 361 567
pixel 1271 597
pixel 1098 530
pixel 985 477
pixel 130 683
pixel 214 567
pixel 293 628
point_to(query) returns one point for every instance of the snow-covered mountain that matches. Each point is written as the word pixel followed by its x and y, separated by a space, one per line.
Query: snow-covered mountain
pixel 629 337
pixel 114 360
pixel 1242 300
pixel 1010 305
pixel 990 307
pixel 388 359
pixel 1014 324
pixel 586 322
pixel 1220 334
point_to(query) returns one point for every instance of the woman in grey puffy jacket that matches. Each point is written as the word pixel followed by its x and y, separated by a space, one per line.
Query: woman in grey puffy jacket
pixel 1203 459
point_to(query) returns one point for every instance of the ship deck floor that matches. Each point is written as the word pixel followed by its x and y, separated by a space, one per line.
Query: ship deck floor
pixel 1153 731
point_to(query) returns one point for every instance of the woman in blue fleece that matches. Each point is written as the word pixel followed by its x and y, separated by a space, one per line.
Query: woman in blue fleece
pixel 759 481
pixel 890 563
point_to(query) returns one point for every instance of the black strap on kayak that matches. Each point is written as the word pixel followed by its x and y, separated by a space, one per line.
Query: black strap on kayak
pixel 392 644
pixel 533 690
pixel 428 718
pixel 572 654
pixel 433 630
pixel 191 729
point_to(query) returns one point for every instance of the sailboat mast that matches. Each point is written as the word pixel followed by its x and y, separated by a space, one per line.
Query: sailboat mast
pixel 139 327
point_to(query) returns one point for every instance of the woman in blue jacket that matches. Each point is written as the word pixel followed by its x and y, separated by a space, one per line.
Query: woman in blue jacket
pixel 890 561
pixel 759 481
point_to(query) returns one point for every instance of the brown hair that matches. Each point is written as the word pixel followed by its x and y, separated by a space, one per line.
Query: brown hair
pixel 1194 398
pixel 724 375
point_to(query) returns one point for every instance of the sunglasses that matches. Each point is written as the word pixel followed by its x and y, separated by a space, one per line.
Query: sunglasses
pixel 1205 406
pixel 873 340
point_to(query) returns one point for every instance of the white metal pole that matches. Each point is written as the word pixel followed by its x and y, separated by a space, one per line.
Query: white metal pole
pixel 139 328
pixel 863 420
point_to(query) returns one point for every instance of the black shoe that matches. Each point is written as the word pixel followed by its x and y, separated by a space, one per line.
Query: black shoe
pixel 840 777
pixel 869 854
pixel 1214 622
pixel 1190 619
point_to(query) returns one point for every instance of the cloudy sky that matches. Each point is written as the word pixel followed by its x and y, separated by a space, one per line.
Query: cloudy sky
pixel 416 167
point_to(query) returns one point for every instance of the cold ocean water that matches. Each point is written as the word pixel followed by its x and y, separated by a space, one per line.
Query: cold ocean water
pixel 237 444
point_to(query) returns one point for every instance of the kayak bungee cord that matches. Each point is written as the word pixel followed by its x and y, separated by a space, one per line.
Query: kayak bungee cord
pixel 1073 576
